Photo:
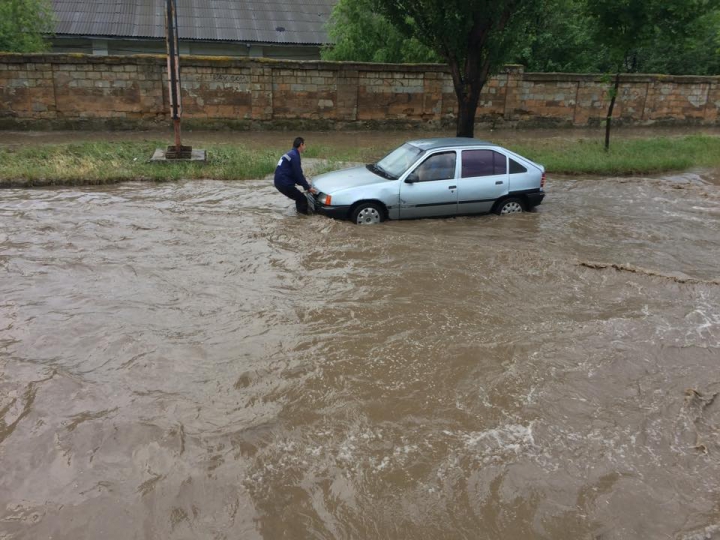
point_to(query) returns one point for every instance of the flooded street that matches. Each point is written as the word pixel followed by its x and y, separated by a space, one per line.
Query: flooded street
pixel 194 361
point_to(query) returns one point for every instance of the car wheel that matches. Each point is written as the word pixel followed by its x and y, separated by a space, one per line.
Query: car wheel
pixel 367 214
pixel 510 206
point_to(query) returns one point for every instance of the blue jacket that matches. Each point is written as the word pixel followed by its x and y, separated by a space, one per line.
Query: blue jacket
pixel 289 171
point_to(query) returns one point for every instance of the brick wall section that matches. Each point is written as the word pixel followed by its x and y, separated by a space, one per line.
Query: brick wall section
pixel 66 91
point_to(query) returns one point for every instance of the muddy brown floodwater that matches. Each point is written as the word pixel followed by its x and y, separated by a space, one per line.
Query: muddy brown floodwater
pixel 194 361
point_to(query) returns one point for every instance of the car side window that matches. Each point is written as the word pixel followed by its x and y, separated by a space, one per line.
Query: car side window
pixel 516 168
pixel 437 167
pixel 483 163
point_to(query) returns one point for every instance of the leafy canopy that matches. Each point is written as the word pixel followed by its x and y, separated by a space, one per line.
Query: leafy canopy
pixel 482 31
pixel 24 25
pixel 697 53
pixel 626 26
pixel 362 35
pixel 563 37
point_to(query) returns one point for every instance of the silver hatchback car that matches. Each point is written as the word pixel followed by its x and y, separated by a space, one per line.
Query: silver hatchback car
pixel 432 178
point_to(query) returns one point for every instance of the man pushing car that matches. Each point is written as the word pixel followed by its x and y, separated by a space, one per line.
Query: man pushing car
pixel 289 174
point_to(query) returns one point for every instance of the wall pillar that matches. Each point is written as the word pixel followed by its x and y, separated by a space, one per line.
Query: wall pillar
pixel 432 96
pixel 261 91
pixel 347 95
pixel 712 104
pixel 513 97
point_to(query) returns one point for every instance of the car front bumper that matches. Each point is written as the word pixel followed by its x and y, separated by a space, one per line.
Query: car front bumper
pixel 336 212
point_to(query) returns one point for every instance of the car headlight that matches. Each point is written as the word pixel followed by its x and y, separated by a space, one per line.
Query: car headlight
pixel 325 199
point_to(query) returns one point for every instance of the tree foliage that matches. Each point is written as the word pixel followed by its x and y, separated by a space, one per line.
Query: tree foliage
pixel 25 25
pixel 562 38
pixel 362 35
pixel 694 53
pixel 474 37
pixel 626 26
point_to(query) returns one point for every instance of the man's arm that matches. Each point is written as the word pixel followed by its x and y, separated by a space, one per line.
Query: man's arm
pixel 298 173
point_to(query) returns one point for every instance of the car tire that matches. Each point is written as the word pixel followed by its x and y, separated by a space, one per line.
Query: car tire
pixel 512 205
pixel 367 214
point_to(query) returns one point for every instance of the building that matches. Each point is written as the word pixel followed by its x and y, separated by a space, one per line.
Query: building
pixel 288 29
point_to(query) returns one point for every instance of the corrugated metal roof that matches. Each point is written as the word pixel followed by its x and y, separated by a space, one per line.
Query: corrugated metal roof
pixel 264 21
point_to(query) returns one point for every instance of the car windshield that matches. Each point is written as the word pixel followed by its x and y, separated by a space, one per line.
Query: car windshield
pixel 398 161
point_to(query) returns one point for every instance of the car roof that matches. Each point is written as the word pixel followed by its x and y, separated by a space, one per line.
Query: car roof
pixel 444 142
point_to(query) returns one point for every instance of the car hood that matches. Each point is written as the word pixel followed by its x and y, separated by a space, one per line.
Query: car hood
pixel 346 178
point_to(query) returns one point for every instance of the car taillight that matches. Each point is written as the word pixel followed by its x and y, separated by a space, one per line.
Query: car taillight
pixel 542 181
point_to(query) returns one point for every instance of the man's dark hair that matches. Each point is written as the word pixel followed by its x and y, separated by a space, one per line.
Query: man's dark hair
pixel 297 142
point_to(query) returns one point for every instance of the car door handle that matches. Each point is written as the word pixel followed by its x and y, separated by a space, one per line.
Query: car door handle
pixel 499 182
pixel 452 187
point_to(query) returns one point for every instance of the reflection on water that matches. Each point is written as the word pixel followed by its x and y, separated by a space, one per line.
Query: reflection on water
pixel 193 360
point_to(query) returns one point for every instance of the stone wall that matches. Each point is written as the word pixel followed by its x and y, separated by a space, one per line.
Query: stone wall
pixel 116 92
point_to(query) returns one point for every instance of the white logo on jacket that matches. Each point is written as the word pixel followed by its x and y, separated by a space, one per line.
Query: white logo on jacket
pixel 285 156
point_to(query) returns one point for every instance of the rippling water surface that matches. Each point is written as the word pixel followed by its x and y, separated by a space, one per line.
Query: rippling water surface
pixel 193 360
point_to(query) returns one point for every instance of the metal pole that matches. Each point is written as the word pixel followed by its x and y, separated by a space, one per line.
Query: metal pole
pixel 173 70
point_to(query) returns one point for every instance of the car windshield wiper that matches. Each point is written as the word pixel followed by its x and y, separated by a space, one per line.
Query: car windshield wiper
pixel 374 167
pixel 387 174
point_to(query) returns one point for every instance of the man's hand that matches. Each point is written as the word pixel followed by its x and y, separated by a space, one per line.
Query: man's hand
pixel 313 190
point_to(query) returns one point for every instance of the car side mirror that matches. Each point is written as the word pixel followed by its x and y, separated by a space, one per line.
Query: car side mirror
pixel 412 178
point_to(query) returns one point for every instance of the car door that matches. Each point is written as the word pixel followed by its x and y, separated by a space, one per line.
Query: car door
pixel 483 180
pixel 430 189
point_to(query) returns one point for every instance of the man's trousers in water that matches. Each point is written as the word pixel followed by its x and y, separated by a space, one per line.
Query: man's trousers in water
pixel 295 194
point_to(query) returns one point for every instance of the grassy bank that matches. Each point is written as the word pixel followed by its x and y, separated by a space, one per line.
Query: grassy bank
pixel 108 162
pixel 626 157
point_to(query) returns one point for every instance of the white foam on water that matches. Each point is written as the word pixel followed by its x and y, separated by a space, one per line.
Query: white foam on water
pixel 708 533
pixel 512 437
pixel 706 324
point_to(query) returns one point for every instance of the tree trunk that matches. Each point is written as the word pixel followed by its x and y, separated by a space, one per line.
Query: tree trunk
pixel 469 79
pixel 608 119
pixel 468 96
pixel 467 108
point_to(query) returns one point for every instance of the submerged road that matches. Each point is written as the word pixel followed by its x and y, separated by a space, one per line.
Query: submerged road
pixel 193 360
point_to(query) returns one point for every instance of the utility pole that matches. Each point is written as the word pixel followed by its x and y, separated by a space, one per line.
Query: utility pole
pixel 173 60
pixel 178 152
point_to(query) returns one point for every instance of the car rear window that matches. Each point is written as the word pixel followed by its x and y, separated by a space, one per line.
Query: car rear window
pixel 483 163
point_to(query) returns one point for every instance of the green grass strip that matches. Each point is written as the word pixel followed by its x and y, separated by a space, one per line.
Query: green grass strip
pixel 109 162
pixel 626 156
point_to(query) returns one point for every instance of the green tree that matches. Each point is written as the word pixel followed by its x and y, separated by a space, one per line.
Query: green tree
pixel 474 37
pixel 696 53
pixel 362 35
pixel 625 26
pixel 25 25
pixel 561 40
pixel 564 39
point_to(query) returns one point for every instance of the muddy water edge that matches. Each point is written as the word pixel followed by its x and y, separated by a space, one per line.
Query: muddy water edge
pixel 193 360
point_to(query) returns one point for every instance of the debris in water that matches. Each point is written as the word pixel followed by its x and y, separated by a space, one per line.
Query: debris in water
pixel 639 270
